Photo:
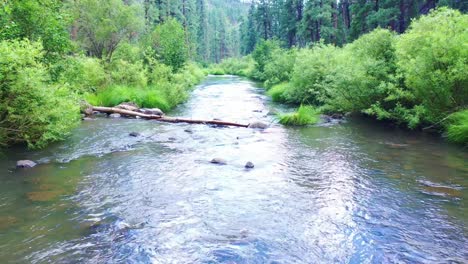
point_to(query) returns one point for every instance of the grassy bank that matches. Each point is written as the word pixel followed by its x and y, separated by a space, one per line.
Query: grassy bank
pixel 416 79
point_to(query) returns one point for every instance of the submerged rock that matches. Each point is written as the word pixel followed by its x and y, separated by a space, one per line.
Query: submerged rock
pixel 134 134
pixel 23 164
pixel 152 111
pixel 44 196
pixel 249 165
pixel 188 130
pixel 258 124
pixel 219 161
pixel 114 115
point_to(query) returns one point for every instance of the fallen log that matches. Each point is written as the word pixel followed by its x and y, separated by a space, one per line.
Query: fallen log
pixel 114 110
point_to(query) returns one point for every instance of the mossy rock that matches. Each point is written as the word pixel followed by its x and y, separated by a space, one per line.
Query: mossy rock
pixel 44 196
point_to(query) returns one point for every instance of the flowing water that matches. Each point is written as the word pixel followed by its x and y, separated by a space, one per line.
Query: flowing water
pixel 352 192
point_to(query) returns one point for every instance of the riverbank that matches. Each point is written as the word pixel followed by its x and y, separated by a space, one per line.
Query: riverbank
pixel 418 84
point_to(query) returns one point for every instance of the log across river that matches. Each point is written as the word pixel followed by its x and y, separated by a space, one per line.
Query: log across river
pixel 351 192
pixel 160 118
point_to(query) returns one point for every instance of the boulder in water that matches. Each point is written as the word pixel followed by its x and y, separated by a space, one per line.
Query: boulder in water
pixel 24 164
pixel 114 115
pixel 219 161
pixel 128 106
pixel 134 134
pixel 152 111
pixel 258 124
pixel 86 108
pixel 249 165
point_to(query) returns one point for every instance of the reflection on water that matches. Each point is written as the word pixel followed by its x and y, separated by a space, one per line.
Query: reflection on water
pixel 350 193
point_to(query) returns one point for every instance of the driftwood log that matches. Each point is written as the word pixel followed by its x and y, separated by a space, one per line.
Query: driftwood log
pixel 114 110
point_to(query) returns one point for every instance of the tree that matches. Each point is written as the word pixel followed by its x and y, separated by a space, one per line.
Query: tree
pixel 168 41
pixel 44 21
pixel 103 24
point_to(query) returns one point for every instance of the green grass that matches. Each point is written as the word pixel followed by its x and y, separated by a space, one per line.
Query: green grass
pixel 457 128
pixel 305 115
pixel 277 92
pixel 143 97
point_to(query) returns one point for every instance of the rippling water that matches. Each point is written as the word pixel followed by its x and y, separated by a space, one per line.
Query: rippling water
pixel 357 192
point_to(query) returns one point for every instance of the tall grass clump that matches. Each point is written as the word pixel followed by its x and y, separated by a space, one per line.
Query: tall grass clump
pixel 457 127
pixel 143 97
pixel 305 115
pixel 278 92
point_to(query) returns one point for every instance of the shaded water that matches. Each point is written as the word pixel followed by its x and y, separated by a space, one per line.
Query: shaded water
pixel 356 192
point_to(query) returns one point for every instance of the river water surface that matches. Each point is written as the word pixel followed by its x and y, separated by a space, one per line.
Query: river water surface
pixel 355 192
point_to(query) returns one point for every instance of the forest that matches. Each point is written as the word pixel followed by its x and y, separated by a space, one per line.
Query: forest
pixel 403 61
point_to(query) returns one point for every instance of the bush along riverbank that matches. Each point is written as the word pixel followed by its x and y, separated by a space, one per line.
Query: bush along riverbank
pixel 41 91
pixel 417 79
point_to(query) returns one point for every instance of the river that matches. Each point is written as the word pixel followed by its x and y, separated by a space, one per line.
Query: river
pixel 351 192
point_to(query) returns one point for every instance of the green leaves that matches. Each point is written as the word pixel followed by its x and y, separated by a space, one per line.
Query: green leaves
pixel 433 58
pixel 31 110
pixel 168 40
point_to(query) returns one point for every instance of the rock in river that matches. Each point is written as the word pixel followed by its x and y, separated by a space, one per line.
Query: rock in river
pixel 219 161
pixel 249 165
pixel 128 106
pixel 152 111
pixel 114 115
pixel 134 134
pixel 258 124
pixel 25 164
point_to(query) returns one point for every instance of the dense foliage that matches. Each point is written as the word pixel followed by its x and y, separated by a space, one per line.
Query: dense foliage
pixel 417 79
pixel 31 109
pixel 302 22
pixel 54 54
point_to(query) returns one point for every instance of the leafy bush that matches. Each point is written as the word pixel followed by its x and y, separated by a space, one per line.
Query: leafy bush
pixel 365 76
pixel 305 115
pixel 432 56
pixel 457 127
pixel 83 74
pixel 31 111
pixel 216 71
pixel 126 73
pixel 262 54
pixel 279 68
pixel 238 66
pixel 313 74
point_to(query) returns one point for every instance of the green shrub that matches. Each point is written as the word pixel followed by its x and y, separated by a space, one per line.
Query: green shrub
pixel 128 52
pixel 238 66
pixel 216 71
pixel 262 54
pixel 31 111
pixel 126 73
pixel 365 76
pixel 305 115
pixel 83 74
pixel 457 127
pixel 279 68
pixel 278 92
pixel 313 73
pixel 433 58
